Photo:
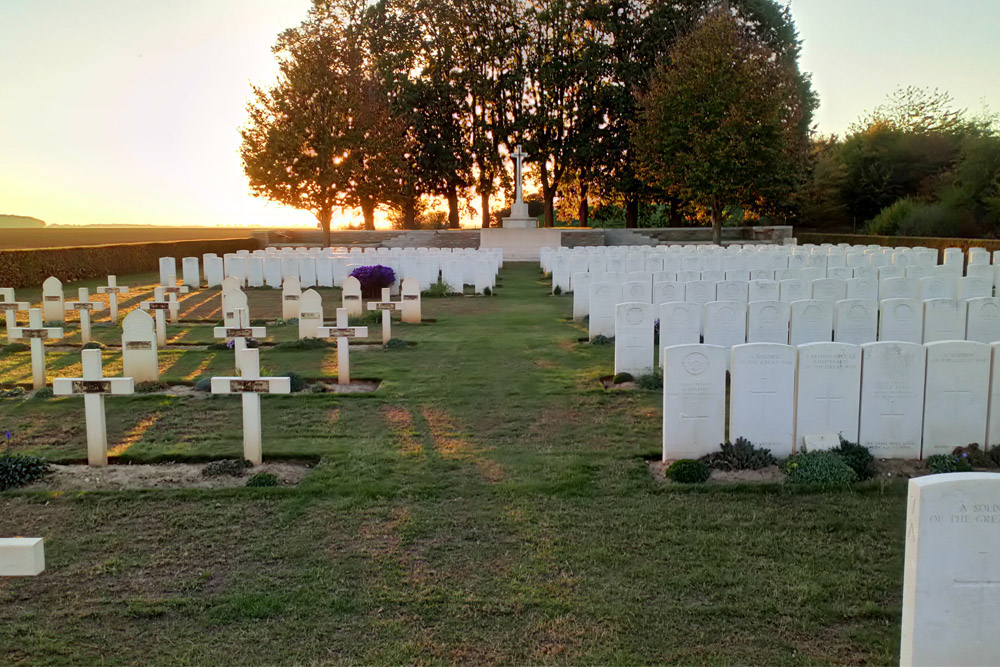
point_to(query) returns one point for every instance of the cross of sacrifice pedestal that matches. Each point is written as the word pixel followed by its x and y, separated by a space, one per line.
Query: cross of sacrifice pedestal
pixel 387 306
pixel 172 296
pixel 239 332
pixel 37 334
pixel 113 289
pixel 343 332
pixel 159 305
pixel 251 385
pixel 84 306
pixel 10 306
pixel 93 385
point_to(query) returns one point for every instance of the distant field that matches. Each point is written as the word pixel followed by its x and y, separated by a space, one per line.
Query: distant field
pixel 61 237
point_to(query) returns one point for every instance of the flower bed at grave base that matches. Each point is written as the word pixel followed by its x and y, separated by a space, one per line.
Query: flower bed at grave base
pixel 28 268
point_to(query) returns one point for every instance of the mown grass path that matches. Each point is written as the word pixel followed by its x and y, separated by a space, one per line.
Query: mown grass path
pixel 489 504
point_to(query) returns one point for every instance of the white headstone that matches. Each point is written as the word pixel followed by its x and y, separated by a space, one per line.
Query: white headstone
pixel 763 290
pixel 855 321
pixel 767 322
pixel 794 289
pixel 680 324
pixel 191 272
pixel 694 400
pixel 725 323
pixel 213 270
pixel 351 296
pixel 343 333
pixel 699 291
pixel 53 301
pixel 811 322
pixel 634 338
pixel 829 391
pixel 901 321
pixel 139 359
pixel 983 321
pixel 410 294
pixel 892 399
pixel 956 398
pixel 310 314
pixel 762 396
pixel 37 334
pixel 944 319
pixel 168 271
pixel 291 292
pixel 603 299
pixel 112 289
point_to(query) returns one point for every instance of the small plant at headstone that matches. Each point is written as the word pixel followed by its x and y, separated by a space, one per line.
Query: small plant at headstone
pixel 93 345
pixel 944 463
pixel 14 348
pixel 11 392
pixel 557 290
pixel 18 470
pixel 487 291
pixel 150 387
pixel 688 471
pixel 740 455
pixel 230 467
pixel 303 344
pixel 373 279
pixel 263 479
pixel 621 378
pixel 204 384
pixel 369 318
pixel 44 392
pixel 976 457
pixel 296 381
pixel 395 344
pixel 252 343
pixel 258 323
pixel 650 381
pixel 858 458
pixel 819 467
pixel 280 322
pixel 51 324
pixel 292 321
pixel 601 339
pixel 437 290
pixel 317 388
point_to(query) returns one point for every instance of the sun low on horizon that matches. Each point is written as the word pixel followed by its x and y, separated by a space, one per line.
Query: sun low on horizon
pixel 117 112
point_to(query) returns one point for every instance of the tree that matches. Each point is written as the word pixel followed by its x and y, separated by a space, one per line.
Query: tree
pixel 722 122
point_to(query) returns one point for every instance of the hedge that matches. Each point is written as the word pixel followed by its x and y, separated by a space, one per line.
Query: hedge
pixel 940 244
pixel 28 268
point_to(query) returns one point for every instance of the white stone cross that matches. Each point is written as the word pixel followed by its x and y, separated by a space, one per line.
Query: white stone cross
pixel 10 306
pixel 171 292
pixel 159 304
pixel 37 333
pixel 387 306
pixel 84 306
pixel 343 332
pixel 93 385
pixel 519 156
pixel 251 385
pixel 239 333
pixel 113 289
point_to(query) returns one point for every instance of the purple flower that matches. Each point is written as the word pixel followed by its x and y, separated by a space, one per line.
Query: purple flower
pixel 374 277
pixel 231 344
pixel 8 434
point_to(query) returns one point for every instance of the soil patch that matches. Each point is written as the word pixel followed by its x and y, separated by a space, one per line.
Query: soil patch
pixel 356 387
pixel 608 383
pixel 165 476
pixel 768 475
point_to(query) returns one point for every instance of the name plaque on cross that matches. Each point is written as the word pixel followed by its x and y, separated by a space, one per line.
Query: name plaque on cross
pixel 91 386
pixel 239 333
pixel 85 305
pixel 159 305
pixel 386 306
pixel 343 333
pixel 35 333
pixel 249 386
pixel 139 345
pixel 112 290
pixel 173 290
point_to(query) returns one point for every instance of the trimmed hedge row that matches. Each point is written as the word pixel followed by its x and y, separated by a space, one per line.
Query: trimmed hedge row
pixel 28 268
pixel 900 241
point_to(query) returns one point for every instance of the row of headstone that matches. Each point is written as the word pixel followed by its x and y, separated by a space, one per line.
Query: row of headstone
pixel 901 400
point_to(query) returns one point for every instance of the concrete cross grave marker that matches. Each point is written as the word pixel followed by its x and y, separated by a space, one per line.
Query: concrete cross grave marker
pixel 84 306
pixel 37 334
pixel 387 306
pixel 112 289
pixel 53 301
pixel 159 305
pixel 94 386
pixel 251 385
pixel 343 332
pixel 10 305
pixel 237 330
pixel 139 358
pixel 171 293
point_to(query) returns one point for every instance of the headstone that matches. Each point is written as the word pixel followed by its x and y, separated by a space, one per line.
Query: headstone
pixel 732 290
pixel 667 291
pixel 307 272
pixel 10 305
pixel 237 330
pixel 983 320
pixel 767 322
pixel 255 271
pixel 956 397
pixel 862 288
pixel 22 556
pixel 829 391
pixel 763 290
pixel 272 272
pixel 310 314
pixel 793 289
pixel 351 296
pixel 637 291
pixel 603 299
pixel 168 271
pixel 993 415
pixel 939 287
pixel 944 319
pixel 901 321
pixel 453 275
pixel 291 292
pixel 139 358
pixel 973 287
pixel 811 322
pixel 725 323
pixel 84 306
pixel 343 332
pixel 113 289
pixel 93 386
pixel 251 385
pixel 699 291
pixel 899 288
pixel 191 272
pixel 762 396
pixel 855 321
pixel 214 273
pixel 892 399
pixel 37 334
pixel 829 289
pixel 680 324
pixel 694 400
pixel 53 301
pixel 634 338
pixel 410 293
pixel 951 571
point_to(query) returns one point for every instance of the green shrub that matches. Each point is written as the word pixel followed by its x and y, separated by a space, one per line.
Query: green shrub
pixel 487 291
pixel 258 323
pixel 395 344
pixel 93 345
pixel 931 220
pixel 151 387
pixel 994 455
pixel 369 318
pixel 688 471
pixel 557 290
pixel 14 348
pixel 230 467
pixel 18 470
pixel 650 381
pixel 622 377
pixel 858 458
pixel 976 457
pixel 945 463
pixel 304 344
pixel 318 388
pixel 263 479
pixel 292 321
pixel 280 322
pixel 739 455
pixel 44 392
pixel 12 392
pixel 824 468
pixel 887 222
pixel 437 290
pixel 204 384
pixel 601 339
pixel 295 380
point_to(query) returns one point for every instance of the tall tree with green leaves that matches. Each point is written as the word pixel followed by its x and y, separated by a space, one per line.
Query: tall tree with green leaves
pixel 722 122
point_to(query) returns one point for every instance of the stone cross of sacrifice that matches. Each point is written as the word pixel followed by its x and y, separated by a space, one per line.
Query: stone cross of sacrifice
pixel 343 332
pixel 251 385
pixel 239 331
pixel 10 306
pixel 94 386
pixel 113 289
pixel 37 334
pixel 159 305
pixel 519 156
pixel 387 306
pixel 84 306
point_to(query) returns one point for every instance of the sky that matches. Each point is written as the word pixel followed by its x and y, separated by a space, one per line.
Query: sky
pixel 128 111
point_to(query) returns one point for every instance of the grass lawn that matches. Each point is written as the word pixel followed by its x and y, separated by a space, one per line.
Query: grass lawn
pixel 490 503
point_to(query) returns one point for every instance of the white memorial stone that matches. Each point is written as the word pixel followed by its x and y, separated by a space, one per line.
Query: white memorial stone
pixel 603 299
pixel 694 400
pixel 829 391
pixel 762 396
pixel 37 334
pixel 811 322
pixel 855 321
pixel 113 289
pixel 53 301
pixel 343 332
pixel 944 319
pixel 310 314
pixel 139 358
pixel 892 399
pixel 634 338
pixel 956 398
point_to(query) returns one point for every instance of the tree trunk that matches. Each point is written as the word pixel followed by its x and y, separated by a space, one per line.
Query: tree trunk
pixel 410 213
pixel 675 213
pixel 631 211
pixel 453 206
pixel 716 222
pixel 324 217
pixel 549 198
pixel 584 205
pixel 484 199
pixel 368 211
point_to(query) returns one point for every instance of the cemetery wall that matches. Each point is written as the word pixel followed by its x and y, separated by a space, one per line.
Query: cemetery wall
pixel 28 268
pixel 899 241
